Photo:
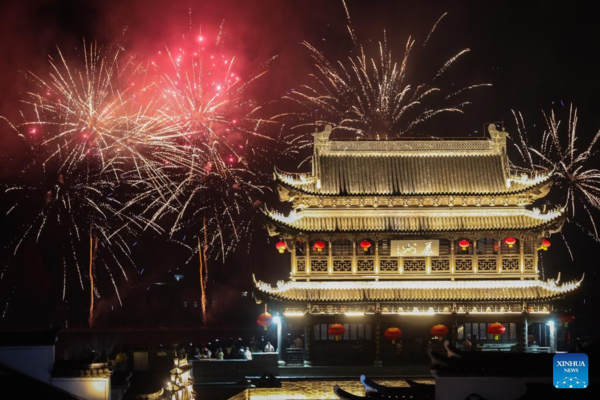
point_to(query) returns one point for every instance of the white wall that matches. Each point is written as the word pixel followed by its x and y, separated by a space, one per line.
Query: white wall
pixel 34 361
pixel 88 388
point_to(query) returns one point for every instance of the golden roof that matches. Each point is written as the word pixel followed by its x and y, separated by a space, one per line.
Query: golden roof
pixel 416 220
pixel 406 291
pixel 409 167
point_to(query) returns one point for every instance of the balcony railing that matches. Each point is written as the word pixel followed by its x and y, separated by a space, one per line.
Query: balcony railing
pixel 386 267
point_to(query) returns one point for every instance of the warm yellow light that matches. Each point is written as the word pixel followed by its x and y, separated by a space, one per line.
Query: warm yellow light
pixel 293 314
pixel 354 314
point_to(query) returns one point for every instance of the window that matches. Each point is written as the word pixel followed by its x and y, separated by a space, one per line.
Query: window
pixel 353 332
pixel 444 247
pixel 342 247
pixel 300 248
pixel 185 304
pixel 487 246
pixel 385 248
pixel 469 330
pixel 195 304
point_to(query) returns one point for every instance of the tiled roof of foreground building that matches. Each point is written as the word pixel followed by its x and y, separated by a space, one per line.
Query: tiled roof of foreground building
pixel 415 220
pixel 410 167
pixel 356 291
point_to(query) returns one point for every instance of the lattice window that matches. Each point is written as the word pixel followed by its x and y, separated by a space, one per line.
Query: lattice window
pixel 487 264
pixel 464 264
pixel 445 245
pixel 487 246
pixel 388 265
pixel 318 265
pixel 510 264
pixel 342 265
pixel 440 265
pixel 529 264
pixel 301 265
pixel 414 265
pixel 365 265
pixel 385 248
pixel 342 247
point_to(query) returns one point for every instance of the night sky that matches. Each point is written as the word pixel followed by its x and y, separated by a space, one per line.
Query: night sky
pixel 537 55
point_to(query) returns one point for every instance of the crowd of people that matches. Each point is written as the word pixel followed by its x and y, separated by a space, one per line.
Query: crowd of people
pixel 231 349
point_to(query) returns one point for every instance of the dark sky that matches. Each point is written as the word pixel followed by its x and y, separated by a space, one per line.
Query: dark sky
pixel 537 54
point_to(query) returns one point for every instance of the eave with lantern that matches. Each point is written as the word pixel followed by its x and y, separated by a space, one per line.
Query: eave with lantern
pixel 395 229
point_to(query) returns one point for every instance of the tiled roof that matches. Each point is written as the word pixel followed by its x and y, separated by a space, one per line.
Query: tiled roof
pixel 409 167
pixel 414 220
pixel 358 291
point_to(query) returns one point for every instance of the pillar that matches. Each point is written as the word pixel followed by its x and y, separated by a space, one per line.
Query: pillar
pixel 308 331
pixel 378 362
pixel 525 333
pixel 280 359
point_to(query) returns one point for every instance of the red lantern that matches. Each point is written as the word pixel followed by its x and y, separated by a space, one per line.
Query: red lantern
pixel 366 245
pixel 319 246
pixel 565 318
pixel 281 246
pixel 336 330
pixel 265 320
pixel 439 331
pixel 496 329
pixel 464 244
pixel 510 241
pixel 392 334
pixel 545 244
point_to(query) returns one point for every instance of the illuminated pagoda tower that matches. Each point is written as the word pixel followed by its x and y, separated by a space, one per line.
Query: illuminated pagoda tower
pixel 411 234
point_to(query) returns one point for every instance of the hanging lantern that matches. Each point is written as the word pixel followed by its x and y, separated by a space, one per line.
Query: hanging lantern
pixel 510 241
pixel 319 246
pixel 392 334
pixel 545 245
pixel 496 329
pixel 464 244
pixel 565 318
pixel 336 330
pixel 439 331
pixel 365 245
pixel 281 246
pixel 265 320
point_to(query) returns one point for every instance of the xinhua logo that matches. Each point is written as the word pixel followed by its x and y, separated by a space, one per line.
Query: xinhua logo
pixel 570 371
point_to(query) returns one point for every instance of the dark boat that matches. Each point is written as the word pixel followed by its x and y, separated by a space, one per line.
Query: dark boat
pixel 415 391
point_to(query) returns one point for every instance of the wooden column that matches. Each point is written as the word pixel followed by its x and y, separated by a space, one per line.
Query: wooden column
pixel 499 255
pixel 307 253
pixel 475 259
pixel 452 261
pixel 377 258
pixel 522 256
pixel 308 331
pixel 330 256
pixel 294 260
pixel 524 332
pixel 378 362
pixel 354 263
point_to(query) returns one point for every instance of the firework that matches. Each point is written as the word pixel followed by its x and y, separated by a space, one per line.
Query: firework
pixel 561 153
pixel 373 96
pixel 213 140
pixel 77 126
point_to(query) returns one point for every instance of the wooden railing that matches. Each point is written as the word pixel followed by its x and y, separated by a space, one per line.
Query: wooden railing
pixel 450 266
